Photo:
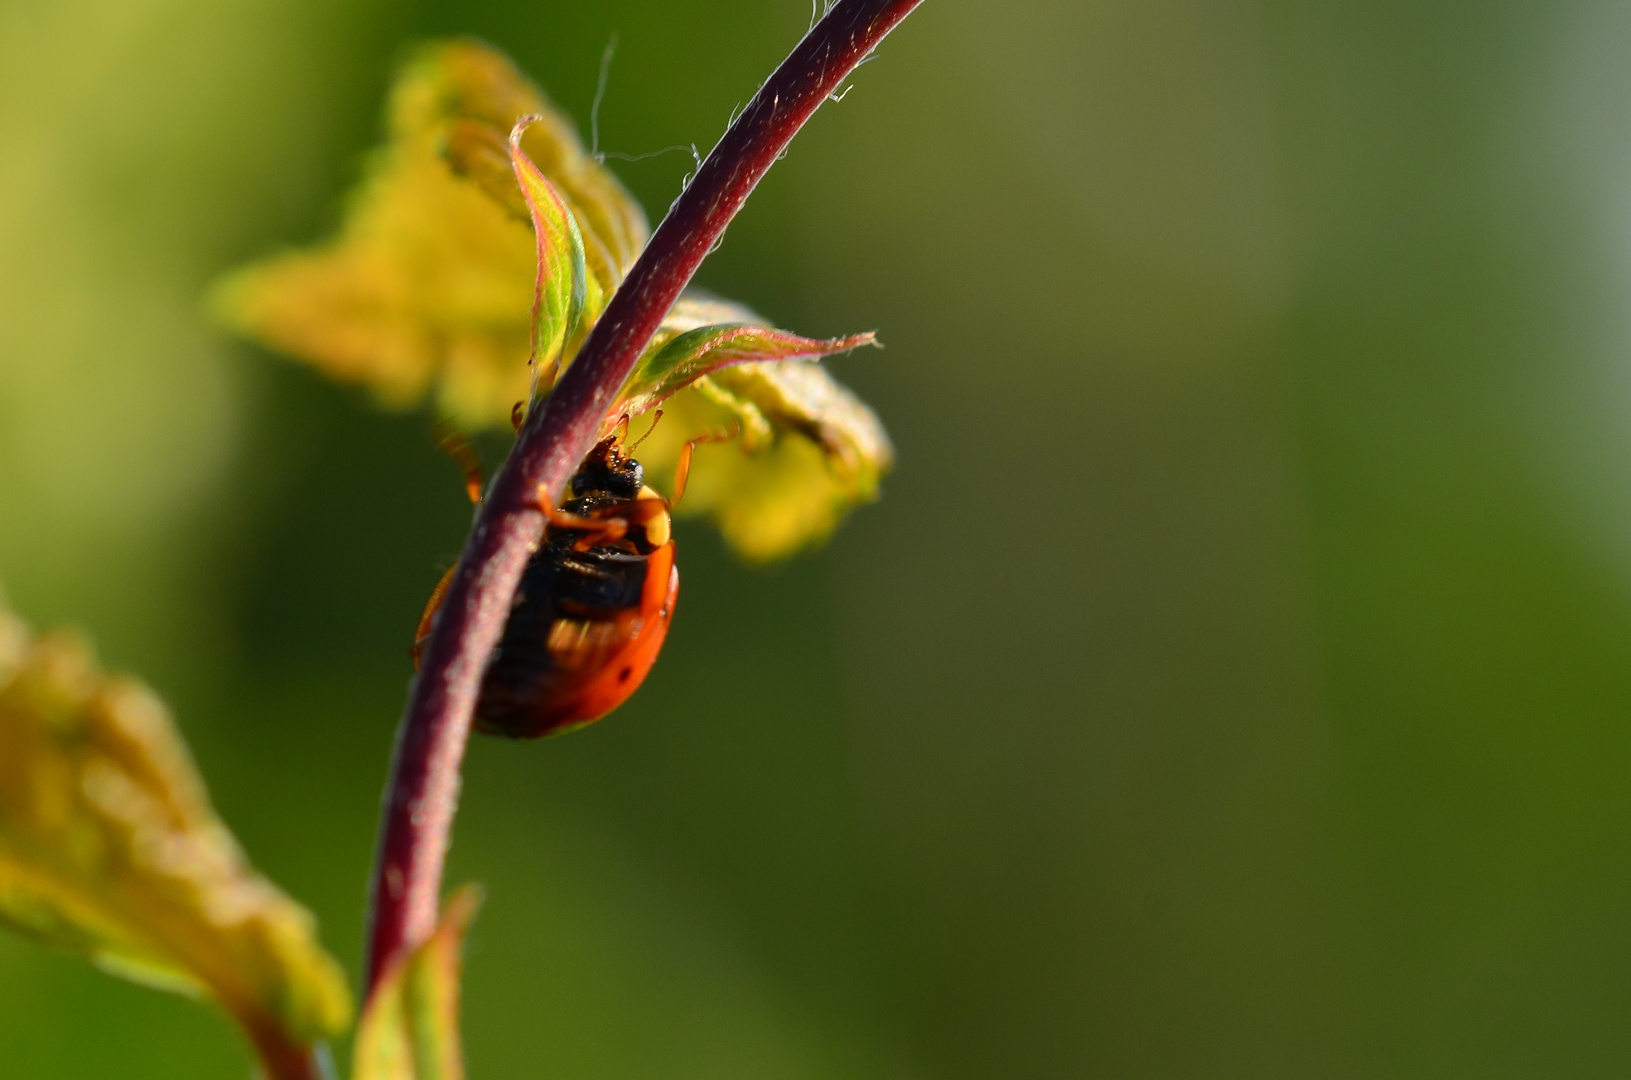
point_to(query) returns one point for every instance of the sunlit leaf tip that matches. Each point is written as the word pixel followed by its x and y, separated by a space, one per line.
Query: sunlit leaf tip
pixel 410 1027
pixel 109 848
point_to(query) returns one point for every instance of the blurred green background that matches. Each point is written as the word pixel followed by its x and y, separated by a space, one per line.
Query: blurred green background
pixel 1234 680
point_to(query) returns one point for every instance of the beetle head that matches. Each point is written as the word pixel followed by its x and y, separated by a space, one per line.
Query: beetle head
pixel 609 471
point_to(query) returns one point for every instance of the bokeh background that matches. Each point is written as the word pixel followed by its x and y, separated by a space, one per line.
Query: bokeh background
pixel 1235 679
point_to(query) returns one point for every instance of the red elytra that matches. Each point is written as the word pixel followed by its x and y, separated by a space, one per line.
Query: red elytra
pixel 592 609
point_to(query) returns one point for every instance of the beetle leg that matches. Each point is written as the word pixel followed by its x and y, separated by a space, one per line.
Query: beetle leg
pixel 563 519
pixel 610 532
pixel 682 470
pixel 421 633
pixel 622 517
pixel 596 530
pixel 451 441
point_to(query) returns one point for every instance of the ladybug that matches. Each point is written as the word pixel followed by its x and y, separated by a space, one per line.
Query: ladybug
pixel 594 602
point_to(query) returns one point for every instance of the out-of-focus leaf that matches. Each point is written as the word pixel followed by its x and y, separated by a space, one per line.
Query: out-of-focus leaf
pixel 561 294
pixel 410 1029
pixel 669 368
pixel 109 848
pixel 428 288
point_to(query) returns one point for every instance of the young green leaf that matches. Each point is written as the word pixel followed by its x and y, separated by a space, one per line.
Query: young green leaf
pixel 666 369
pixel 808 449
pixel 410 1028
pixel 561 292
pixel 109 848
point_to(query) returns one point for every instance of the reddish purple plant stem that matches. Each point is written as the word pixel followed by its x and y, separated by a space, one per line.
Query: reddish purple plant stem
pixel 423 791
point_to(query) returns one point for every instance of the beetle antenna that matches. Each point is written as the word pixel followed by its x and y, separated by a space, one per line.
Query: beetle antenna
pixel 654 421
pixel 620 430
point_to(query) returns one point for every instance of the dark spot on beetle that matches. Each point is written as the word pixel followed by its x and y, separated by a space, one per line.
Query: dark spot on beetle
pixel 623 676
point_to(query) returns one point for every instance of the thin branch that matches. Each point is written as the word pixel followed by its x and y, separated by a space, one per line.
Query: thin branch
pixel 423 791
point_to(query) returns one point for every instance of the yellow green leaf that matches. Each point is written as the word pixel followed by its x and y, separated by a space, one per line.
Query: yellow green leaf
pixel 410 1029
pixel 109 848
pixel 428 288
